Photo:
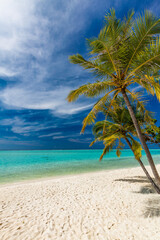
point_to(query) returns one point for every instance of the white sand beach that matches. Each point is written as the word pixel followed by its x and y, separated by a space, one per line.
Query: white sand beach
pixel 108 205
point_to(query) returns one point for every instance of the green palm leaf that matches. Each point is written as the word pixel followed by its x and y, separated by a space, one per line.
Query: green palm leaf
pixel 90 119
pixel 89 90
pixel 145 27
pixel 126 53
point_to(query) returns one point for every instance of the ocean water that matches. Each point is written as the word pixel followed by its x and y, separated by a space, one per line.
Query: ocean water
pixel 22 165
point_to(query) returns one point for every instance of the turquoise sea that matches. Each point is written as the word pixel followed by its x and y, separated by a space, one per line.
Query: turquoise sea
pixel 23 165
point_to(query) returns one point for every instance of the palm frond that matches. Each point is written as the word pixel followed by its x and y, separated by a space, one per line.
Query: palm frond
pixel 110 106
pixel 98 69
pixel 145 27
pixel 107 148
pixel 128 24
pixel 100 47
pixel 126 52
pixel 118 153
pixel 89 90
pixel 136 97
pixel 153 86
pixel 90 119
pixel 137 148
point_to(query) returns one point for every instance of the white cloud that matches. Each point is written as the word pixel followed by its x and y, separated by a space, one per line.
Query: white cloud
pixel 50 134
pixel 54 100
pixel 59 137
pixel 76 137
pixel 4 72
pixel 22 127
pixel 67 109
pixel 12 121
pixel 76 140
pixel 16 143
pixel 18 33
pixel 33 36
pixel 28 128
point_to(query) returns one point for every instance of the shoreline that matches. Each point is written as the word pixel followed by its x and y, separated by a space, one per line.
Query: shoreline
pixel 58 177
pixel 38 166
pixel 113 204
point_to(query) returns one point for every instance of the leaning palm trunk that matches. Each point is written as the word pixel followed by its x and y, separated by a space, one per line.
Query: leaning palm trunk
pixel 126 52
pixel 141 138
pixel 149 177
pixel 144 169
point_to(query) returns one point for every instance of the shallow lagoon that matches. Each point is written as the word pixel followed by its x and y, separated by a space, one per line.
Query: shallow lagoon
pixel 23 165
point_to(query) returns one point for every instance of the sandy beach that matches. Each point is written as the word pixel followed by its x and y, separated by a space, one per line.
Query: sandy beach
pixel 107 205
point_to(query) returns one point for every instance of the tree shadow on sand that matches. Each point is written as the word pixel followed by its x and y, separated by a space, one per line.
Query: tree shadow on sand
pixel 152 206
pixel 135 179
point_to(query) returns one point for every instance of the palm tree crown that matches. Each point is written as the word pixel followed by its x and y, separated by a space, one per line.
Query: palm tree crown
pixel 126 53
pixel 118 125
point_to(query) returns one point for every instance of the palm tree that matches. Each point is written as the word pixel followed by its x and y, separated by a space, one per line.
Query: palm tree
pixel 125 54
pixel 120 126
pixel 152 135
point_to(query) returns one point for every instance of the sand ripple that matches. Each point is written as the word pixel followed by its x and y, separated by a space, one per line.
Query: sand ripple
pixel 98 206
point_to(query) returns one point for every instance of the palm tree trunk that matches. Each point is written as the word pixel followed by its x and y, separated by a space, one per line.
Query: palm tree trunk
pixel 139 133
pixel 144 169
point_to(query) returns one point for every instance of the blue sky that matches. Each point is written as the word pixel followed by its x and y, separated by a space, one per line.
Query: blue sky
pixel 36 38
